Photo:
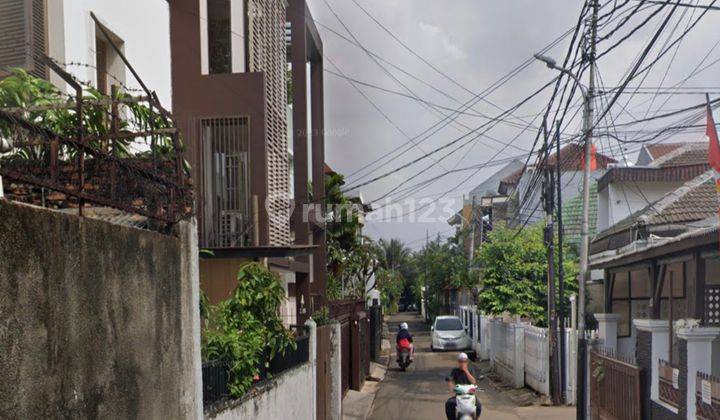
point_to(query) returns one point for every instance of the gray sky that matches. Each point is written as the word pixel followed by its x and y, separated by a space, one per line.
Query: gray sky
pixel 476 42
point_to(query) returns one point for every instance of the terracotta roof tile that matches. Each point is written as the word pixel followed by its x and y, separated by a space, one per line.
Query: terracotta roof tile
pixel 571 157
pixel 514 177
pixel 661 149
pixel 687 154
pixel 695 200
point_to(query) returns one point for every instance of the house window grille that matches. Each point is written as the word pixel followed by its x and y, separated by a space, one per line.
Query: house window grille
pixel 712 305
pixel 227 220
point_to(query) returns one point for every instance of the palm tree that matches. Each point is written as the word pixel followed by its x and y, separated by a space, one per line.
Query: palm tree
pixel 392 254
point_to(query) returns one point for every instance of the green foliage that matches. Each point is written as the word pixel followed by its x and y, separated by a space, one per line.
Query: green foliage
pixel 321 316
pixel 23 90
pixel 440 265
pixel 514 274
pixel 246 330
pixel 350 256
pixel 391 285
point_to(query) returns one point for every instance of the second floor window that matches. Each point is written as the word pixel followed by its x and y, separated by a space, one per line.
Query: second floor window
pixel 219 36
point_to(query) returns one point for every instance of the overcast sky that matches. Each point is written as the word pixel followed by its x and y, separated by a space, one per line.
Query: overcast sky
pixel 475 42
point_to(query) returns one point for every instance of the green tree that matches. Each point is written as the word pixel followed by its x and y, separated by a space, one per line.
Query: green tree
pixel 390 284
pixel 439 266
pixel 392 254
pixel 513 268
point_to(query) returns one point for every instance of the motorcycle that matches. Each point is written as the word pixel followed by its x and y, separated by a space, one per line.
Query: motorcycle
pixel 466 402
pixel 404 356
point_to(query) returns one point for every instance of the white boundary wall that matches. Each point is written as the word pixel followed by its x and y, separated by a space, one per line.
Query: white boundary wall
pixel 519 352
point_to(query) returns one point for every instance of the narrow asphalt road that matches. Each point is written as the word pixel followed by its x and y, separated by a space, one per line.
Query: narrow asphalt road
pixel 420 392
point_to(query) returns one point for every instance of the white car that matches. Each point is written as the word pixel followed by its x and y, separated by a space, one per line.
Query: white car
pixel 448 334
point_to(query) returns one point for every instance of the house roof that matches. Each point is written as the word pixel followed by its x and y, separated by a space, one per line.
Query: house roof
pixel 571 159
pixel 705 232
pixel 680 162
pixel 572 217
pixel 572 156
pixel 695 200
pixel 686 154
pixel 660 149
pixel 490 186
pixel 514 177
pixel 652 174
pixel 327 170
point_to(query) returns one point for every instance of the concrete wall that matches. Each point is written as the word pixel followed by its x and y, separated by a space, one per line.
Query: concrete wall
pixel 625 198
pixel 96 320
pixel 287 396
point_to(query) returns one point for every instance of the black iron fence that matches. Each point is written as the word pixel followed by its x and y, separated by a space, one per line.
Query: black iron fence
pixel 215 376
pixel 216 373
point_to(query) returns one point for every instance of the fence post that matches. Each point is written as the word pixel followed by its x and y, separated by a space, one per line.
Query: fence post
pixel 312 346
pixel 375 332
pixel 699 359
pixel 335 372
pixel 607 330
pixel 519 356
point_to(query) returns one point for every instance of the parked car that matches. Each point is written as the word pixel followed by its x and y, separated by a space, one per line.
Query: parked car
pixel 448 334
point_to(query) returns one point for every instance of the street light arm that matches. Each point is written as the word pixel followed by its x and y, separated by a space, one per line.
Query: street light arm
pixel 582 87
pixel 552 64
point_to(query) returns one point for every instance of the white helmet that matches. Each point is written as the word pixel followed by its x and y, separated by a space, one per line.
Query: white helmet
pixel 462 357
pixel 404 326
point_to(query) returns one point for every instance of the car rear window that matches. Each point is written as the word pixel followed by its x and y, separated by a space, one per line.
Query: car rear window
pixel 448 324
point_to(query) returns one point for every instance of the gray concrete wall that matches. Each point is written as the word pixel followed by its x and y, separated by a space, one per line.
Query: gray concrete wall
pixel 96 320
pixel 287 396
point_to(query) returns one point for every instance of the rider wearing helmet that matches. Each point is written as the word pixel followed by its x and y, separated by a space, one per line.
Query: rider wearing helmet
pixel 404 340
pixel 459 376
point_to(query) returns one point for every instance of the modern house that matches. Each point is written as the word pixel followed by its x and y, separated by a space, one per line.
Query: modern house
pixel 233 63
pixel 77 35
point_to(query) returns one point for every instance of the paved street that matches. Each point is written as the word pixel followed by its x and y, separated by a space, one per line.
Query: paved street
pixel 420 393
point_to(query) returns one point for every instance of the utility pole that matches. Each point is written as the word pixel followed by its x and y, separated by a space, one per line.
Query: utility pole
pixel 472 232
pixel 549 203
pixel 561 270
pixel 427 244
pixel 585 232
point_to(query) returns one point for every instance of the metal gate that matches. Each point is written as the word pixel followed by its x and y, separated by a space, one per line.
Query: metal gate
pixel 614 388
pixel 323 378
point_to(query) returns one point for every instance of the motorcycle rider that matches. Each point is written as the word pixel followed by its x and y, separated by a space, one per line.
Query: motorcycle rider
pixel 459 376
pixel 404 340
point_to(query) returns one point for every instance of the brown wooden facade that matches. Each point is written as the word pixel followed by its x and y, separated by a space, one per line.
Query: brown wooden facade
pixel 249 217
pixel 638 284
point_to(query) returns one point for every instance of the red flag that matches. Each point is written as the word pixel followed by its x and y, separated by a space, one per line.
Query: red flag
pixel 712 135
pixel 593 157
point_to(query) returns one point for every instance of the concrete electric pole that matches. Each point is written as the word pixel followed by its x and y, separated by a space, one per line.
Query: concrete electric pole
pixel 549 205
pixel 588 111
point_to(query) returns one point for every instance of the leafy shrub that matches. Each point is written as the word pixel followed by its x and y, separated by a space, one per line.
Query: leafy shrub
pixel 246 330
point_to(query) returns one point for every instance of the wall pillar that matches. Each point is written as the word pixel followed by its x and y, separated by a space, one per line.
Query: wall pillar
pixel 607 326
pixel 519 356
pixel 336 372
pixel 312 327
pixel 699 358
pixel 660 331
